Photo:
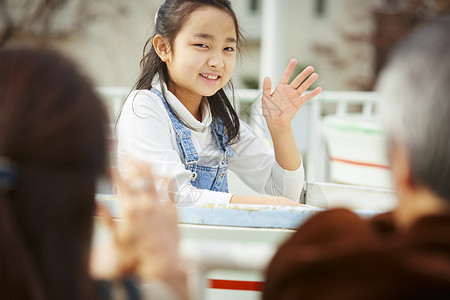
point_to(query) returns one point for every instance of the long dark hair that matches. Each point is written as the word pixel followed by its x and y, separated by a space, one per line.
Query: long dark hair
pixel 52 129
pixel 169 20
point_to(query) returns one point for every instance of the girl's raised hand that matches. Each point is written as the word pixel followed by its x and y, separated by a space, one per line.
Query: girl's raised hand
pixel 280 107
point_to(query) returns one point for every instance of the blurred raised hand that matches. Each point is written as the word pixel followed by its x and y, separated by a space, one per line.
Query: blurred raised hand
pixel 146 236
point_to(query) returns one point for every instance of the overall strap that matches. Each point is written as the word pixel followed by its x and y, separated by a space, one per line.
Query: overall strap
pixel 187 149
pixel 221 138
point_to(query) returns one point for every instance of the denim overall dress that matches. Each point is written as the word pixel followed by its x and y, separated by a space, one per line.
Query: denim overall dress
pixel 212 178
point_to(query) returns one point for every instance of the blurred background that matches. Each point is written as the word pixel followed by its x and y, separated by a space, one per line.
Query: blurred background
pixel 347 41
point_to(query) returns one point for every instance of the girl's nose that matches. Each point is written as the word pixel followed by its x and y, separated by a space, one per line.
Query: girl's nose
pixel 216 61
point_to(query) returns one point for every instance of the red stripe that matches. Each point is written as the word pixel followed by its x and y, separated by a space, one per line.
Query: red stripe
pixel 358 163
pixel 235 285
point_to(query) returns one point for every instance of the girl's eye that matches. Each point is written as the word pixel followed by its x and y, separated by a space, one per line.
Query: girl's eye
pixel 229 49
pixel 201 45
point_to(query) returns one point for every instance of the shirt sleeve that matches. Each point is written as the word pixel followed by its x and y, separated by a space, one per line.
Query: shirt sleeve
pixel 254 163
pixel 145 133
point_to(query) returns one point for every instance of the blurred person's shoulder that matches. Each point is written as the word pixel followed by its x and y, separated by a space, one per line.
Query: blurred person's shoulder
pixel 342 228
pixel 337 254
pixel 334 234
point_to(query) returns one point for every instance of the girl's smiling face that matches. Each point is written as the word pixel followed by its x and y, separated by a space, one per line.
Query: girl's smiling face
pixel 203 55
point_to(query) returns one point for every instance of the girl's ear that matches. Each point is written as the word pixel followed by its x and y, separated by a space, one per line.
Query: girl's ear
pixel 161 46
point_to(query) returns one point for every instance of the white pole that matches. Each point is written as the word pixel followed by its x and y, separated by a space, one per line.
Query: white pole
pixel 273 30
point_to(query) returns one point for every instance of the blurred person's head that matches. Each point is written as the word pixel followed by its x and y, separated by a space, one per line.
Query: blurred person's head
pixel 415 95
pixel 52 150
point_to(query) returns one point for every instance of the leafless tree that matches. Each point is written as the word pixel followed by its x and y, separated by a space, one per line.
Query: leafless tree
pixel 395 18
pixel 42 20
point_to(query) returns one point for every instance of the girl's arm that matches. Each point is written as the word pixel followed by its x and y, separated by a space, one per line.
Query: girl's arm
pixel 255 164
pixel 279 108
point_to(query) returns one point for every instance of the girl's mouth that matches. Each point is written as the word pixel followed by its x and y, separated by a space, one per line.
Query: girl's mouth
pixel 209 76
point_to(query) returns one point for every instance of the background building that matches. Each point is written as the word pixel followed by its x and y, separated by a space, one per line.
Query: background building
pixel 347 41
pixel 106 37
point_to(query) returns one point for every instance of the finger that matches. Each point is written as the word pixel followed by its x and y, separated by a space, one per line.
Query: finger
pixel 267 86
pixel 115 188
pixel 307 83
pixel 288 71
pixel 138 182
pixel 143 171
pixel 105 216
pixel 311 95
pixel 163 191
pixel 118 181
pixel 123 191
pixel 301 77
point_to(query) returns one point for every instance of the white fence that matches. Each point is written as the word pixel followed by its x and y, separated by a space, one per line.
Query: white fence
pixel 307 123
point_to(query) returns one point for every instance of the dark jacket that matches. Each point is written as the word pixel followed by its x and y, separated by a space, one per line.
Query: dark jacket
pixel 337 255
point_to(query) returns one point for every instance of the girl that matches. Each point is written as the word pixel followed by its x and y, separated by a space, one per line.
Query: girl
pixel 180 119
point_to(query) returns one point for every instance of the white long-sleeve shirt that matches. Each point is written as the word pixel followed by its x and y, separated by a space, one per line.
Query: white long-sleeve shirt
pixel 145 132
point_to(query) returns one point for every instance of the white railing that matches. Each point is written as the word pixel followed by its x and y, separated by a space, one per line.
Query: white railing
pixel 307 123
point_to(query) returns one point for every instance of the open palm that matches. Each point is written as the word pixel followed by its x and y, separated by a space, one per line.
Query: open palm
pixel 280 107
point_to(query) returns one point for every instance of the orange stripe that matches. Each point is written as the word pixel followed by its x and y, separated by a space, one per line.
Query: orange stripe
pixel 358 163
pixel 235 285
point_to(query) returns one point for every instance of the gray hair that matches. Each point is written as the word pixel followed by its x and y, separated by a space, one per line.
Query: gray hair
pixel 415 103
